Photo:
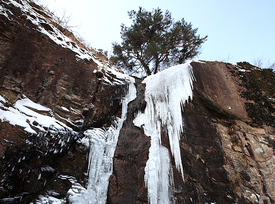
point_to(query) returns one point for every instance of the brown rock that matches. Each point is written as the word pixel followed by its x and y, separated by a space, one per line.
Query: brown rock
pixel 227 145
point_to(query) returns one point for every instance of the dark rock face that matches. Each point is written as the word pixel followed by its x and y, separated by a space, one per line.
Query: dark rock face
pixel 227 146
pixel 202 154
pixel 127 182
pixel 217 152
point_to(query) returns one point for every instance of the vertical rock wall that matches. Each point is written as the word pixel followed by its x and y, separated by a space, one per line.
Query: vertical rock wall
pixel 227 144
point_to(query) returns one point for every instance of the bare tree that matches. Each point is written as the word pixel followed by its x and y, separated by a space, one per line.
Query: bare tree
pixel 262 63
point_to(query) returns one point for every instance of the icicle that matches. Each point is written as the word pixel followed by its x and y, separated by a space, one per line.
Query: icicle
pixel 165 94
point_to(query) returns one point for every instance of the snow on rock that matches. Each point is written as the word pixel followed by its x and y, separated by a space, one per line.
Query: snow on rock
pixel 47 169
pixel 25 113
pixel 52 32
pixel 102 144
pixel 3 99
pixel 165 94
pixel 47 199
pixel 38 121
pixel 45 26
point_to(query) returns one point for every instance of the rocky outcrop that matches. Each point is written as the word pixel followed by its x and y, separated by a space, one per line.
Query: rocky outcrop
pixel 36 67
pixel 223 140
pixel 53 89
pixel 227 155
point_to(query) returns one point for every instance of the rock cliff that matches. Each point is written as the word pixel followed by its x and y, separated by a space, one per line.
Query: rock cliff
pixel 61 104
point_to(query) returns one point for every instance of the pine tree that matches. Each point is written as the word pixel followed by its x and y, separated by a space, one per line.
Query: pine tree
pixel 154 41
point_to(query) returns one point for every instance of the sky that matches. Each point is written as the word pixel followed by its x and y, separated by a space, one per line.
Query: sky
pixel 237 30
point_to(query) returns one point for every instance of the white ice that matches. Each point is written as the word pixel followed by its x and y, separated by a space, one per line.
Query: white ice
pixel 102 144
pixel 165 94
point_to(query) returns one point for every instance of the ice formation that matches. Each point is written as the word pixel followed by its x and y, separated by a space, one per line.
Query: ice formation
pixel 166 93
pixel 102 144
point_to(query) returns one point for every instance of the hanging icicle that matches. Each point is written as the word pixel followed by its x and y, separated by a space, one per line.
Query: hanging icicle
pixel 166 93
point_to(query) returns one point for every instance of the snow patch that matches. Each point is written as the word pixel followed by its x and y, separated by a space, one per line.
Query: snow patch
pixel 39 122
pixel 24 115
pixel 5 12
pixel 165 94
pixel 47 199
pixel 47 169
pixel 65 109
pixel 3 99
pixel 243 70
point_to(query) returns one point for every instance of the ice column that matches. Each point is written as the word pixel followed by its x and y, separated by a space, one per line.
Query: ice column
pixel 102 147
pixel 165 94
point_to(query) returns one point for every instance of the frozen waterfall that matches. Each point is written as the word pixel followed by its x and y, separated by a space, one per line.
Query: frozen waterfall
pixel 102 144
pixel 165 94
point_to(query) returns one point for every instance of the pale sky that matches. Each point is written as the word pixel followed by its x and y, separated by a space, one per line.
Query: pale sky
pixel 238 30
